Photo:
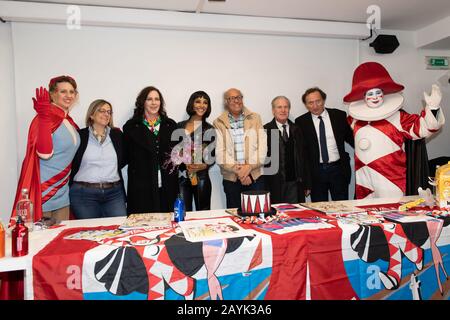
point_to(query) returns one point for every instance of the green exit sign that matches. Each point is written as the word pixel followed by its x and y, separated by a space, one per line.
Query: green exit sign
pixel 437 62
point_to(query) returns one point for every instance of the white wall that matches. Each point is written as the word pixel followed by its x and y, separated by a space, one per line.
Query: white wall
pixel 116 63
pixel 407 66
pixel 8 125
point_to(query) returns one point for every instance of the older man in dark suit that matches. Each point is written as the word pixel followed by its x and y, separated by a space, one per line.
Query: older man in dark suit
pixel 326 130
pixel 287 176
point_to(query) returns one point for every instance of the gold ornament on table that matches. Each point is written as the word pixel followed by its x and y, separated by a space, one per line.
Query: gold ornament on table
pixel 443 186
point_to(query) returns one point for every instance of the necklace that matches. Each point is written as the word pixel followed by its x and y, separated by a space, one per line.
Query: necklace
pixel 101 137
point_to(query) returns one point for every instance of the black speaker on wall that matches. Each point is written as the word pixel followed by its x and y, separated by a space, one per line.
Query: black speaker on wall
pixel 385 43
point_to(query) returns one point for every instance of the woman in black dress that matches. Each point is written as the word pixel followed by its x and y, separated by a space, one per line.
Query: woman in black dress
pixel 194 178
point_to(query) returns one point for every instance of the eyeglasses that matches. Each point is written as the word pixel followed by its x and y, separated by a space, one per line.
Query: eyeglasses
pixel 108 112
pixel 234 99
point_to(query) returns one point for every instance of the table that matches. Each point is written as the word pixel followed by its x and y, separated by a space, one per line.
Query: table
pixel 40 238
pixel 37 241
pixel 331 263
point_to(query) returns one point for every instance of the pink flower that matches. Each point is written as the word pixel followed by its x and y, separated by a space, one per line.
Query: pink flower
pixel 184 152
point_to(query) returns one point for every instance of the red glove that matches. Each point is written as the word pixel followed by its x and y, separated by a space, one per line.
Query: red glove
pixel 42 105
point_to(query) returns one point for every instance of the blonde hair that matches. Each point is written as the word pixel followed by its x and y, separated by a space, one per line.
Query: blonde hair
pixel 93 107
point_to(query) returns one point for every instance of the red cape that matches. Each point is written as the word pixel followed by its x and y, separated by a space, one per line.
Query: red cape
pixel 30 175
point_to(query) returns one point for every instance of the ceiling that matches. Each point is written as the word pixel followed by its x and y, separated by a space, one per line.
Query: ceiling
pixel 395 14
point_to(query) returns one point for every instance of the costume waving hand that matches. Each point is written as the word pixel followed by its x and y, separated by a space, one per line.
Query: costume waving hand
pixel 42 105
pixel 380 127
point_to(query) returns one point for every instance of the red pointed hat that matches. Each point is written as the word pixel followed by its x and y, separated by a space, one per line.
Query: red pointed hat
pixel 371 75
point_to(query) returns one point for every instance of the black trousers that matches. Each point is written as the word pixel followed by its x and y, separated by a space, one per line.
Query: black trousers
pixel 233 190
pixel 201 193
pixel 290 193
pixel 331 179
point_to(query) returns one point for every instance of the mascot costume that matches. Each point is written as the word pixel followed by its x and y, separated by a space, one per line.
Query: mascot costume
pixel 381 127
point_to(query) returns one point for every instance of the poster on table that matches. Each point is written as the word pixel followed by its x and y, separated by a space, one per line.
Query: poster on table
pixel 212 229
pixel 397 260
pixel 153 265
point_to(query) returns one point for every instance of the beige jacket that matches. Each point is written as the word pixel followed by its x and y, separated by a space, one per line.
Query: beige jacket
pixel 255 145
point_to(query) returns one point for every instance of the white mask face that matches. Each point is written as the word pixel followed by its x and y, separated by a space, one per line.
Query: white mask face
pixel 374 98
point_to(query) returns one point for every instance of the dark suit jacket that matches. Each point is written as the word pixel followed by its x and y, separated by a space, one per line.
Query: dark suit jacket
pixel 145 152
pixel 116 137
pixel 342 133
pixel 302 173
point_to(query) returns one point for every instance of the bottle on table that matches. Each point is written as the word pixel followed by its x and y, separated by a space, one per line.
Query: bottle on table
pixel 178 209
pixel 19 238
pixel 24 209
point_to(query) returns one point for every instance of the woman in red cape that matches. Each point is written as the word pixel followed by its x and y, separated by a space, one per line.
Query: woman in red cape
pixel 52 143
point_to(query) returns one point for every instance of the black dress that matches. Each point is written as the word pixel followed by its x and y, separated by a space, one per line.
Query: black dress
pixel 201 193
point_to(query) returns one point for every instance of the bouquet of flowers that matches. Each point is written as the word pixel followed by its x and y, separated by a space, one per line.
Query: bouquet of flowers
pixel 187 152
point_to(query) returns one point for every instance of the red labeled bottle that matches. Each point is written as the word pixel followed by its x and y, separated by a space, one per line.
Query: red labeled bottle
pixel 19 237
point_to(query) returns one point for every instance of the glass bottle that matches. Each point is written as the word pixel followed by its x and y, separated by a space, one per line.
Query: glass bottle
pixel 178 209
pixel 19 238
pixel 24 208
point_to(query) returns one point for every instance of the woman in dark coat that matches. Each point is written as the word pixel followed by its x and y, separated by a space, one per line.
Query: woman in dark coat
pixel 147 146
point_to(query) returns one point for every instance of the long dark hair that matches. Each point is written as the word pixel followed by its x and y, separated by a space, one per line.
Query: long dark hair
pixel 190 105
pixel 139 109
